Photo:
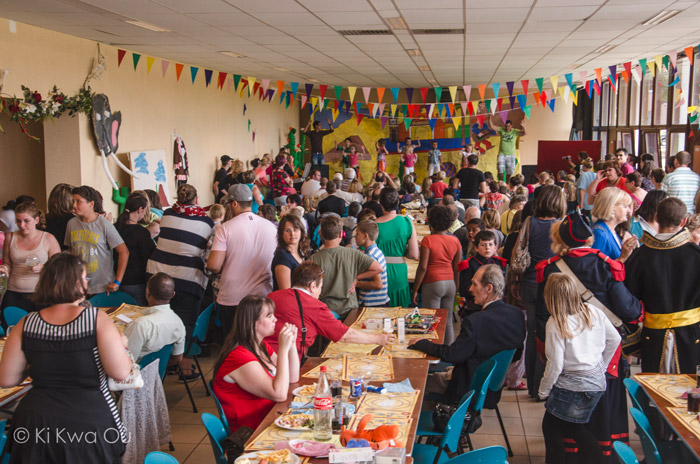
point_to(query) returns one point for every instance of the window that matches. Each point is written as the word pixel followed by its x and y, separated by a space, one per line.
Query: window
pixel 651 144
pixel 680 112
pixel 661 97
pixel 596 108
pixel 677 142
pixel 647 98
pixel 623 107
pixel 613 105
pixel 605 108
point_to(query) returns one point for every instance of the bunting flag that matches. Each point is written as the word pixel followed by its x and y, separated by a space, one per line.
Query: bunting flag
pixel 553 101
pixel 525 84
pixel 164 66
pixel 295 88
pixel 569 80
pixel 453 92
pixel 251 85
pixel 207 77
pixel 627 72
pixel 643 65
pixel 467 89
pixel 637 74
pixel 650 66
pixel 503 115
pixel 488 105
pixel 659 63
pixel 451 110
pixel 493 106
pixel 120 56
pixel 470 107
pixel 438 94
pixel 135 57
pixel 675 81
pixel 265 85
pixel 358 107
pixel 613 72
pixel 372 109
pixel 424 93
pixel 432 122
pixel 178 70
pixel 522 100
pixel 409 94
pixel 690 54
pixel 149 64
pixel 395 93
pixel 221 80
pixel 464 108
pixel 366 91
pixel 236 82
pixel 527 109
pixel 407 122
pixel 381 108
pixel 280 87
pixel 496 87
pixel 309 88
pixel 432 110
pixel 509 86
pixel 304 98
pixel 482 90
pixel 393 110
pixel 380 94
pixel 322 91
pixel 673 56
pixel 554 80
pixel 537 97
pixel 457 121
pixel 599 75
pixel 566 95
pixel 351 92
pixel 384 120
pixel 193 72
pixel 500 104
pixel 229 82
pixel 338 91
pixel 540 84
pixel 584 77
pixel 574 95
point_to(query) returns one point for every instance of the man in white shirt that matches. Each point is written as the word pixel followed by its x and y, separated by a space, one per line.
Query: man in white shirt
pixel 312 184
pixel 682 182
pixel 159 326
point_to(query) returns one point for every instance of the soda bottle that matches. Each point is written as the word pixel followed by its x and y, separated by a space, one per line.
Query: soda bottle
pixel 323 408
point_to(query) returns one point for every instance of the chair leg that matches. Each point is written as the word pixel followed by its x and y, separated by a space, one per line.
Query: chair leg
pixel 469 442
pixel 503 429
pixel 187 387
pixel 204 381
pixel 171 446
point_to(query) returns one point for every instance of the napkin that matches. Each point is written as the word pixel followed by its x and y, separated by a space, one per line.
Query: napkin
pixel 401 387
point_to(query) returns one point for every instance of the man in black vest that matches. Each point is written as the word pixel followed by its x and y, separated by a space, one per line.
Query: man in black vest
pixel 497 327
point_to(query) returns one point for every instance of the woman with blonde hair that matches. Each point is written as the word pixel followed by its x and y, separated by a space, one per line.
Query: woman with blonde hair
pixel 60 211
pixel 611 208
pixel 581 341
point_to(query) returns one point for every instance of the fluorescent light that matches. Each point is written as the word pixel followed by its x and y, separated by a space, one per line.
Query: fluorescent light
pixel 282 69
pixel 662 16
pixel 314 81
pixel 604 49
pixel 414 52
pixel 149 26
pixel 424 68
pixel 397 23
pixel 232 54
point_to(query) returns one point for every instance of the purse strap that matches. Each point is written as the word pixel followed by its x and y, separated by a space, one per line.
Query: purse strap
pixel 524 236
pixel 303 326
pixel 586 294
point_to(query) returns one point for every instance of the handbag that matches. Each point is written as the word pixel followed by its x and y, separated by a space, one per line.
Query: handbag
pixel 234 444
pixel 133 381
pixel 520 260
pixel 631 344
pixel 443 412
pixel 303 328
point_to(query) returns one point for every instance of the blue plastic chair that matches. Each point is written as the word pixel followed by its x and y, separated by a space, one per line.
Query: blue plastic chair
pixel 430 454
pixel 498 379
pixel 193 349
pixel 488 455
pixel 639 397
pixel 102 300
pixel 162 355
pixel 158 457
pixel 651 451
pixel 13 315
pixel 624 453
pixel 222 416
pixel 217 434
pixel 3 441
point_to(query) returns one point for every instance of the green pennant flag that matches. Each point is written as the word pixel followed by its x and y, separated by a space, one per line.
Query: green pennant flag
pixel 236 81
pixel 338 90
pixel 643 64
pixel 404 108
pixel 288 99
pixel 407 122
pixel 693 118
pixel 540 82
pixel 488 104
pixel 665 61
pixel 527 110
pixel 136 57
pixel 438 94
pixel 193 72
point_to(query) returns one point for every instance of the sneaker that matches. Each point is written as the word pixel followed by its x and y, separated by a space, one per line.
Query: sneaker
pixel 518 386
pixel 172 370
pixel 189 377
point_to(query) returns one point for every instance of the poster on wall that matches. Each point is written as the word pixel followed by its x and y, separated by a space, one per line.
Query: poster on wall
pixel 149 165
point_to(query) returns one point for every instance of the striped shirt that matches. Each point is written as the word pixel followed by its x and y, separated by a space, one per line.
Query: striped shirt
pixel 180 252
pixel 375 297
pixel 684 184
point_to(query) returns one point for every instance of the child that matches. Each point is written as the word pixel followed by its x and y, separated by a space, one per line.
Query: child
pixel 570 191
pixel 381 155
pixel 409 160
pixel 467 150
pixel 438 187
pixel 434 159
pixel 375 291
pixel 409 143
pixel 517 203
pixel 492 220
pixel 580 342
pixel 474 226
pixel 344 146
pixel 216 213
pixel 494 199
pixel 485 253
pixel 353 210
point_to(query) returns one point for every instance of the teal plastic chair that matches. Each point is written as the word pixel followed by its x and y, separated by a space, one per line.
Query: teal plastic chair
pixel 217 434
pixel 13 315
pixel 162 355
pixel 498 379
pixel 222 416
pixel 624 453
pixel 102 300
pixel 158 457
pixel 431 454
pixel 488 455
pixel 639 397
pixel 651 451
pixel 3 441
pixel 193 349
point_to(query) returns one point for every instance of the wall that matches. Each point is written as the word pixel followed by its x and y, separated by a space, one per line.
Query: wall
pixel 210 121
pixel 545 125
pixel 22 162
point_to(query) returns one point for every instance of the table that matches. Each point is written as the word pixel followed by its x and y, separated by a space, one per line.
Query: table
pixel 130 311
pixel 691 441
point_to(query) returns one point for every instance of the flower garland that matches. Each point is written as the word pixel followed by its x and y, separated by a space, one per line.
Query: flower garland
pixel 33 107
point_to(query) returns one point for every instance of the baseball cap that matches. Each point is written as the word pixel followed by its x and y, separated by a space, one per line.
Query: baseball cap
pixel 240 192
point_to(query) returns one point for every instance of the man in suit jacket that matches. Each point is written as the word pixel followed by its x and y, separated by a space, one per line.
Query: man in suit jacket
pixel 497 327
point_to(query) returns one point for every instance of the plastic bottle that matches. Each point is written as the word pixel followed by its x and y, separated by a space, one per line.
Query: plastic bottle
pixel 323 408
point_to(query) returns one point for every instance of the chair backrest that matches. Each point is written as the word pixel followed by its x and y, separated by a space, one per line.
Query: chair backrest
pixel 199 333
pixel 216 432
pixel 624 453
pixel 453 429
pixel 488 455
pixel 162 355
pixel 3 436
pixel 503 360
pixel 480 383
pixel 113 299
pixel 13 314
pixel 159 457
pixel 639 397
pixel 651 452
pixel 222 416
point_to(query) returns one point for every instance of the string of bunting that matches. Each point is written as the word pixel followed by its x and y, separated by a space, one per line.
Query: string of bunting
pixel 446 111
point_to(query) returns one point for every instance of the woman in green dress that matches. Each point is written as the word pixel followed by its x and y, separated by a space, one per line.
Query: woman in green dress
pixel 397 240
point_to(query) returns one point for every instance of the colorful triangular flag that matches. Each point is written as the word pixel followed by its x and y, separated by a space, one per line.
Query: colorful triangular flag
pixel 120 56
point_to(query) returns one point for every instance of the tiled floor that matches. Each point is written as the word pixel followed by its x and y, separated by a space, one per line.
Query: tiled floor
pixel 522 417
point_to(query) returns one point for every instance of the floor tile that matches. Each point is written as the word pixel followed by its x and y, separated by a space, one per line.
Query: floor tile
pixel 531 409
pixel 532 426
pixel 517 442
pixel 535 446
pixel 188 433
pixel 201 454
pixel 182 450
pixel 490 426
pixel 519 460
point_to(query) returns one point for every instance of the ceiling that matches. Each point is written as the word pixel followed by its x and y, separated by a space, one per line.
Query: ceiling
pixel 307 41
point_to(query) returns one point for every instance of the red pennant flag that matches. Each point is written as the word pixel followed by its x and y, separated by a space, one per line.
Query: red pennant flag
pixel 380 94
pixel 500 104
pixel 525 84
pixel 336 105
pixel 543 98
pixel 359 118
pixel 322 89
pixel 480 119
pixel 424 93
pixel 120 56
pixel 221 80
pixel 628 71
pixel 452 108
pixel 370 106
pixel 470 107
pixel 256 86
pixel 178 70
pixel 482 90
pixel 690 53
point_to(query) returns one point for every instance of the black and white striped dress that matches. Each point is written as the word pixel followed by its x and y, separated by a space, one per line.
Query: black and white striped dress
pixel 69 414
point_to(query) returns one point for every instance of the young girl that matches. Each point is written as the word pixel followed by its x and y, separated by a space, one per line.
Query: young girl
pixel 352 160
pixel 570 191
pixel 580 342
pixel 494 199
pixel 381 155
pixel 409 159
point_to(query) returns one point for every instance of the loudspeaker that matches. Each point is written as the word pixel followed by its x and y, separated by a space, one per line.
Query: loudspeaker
pixel 321 167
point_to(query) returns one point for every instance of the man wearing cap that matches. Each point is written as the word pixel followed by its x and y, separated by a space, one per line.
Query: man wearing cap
pixel 316 138
pixel 242 252
pixel 221 174
pixel 602 279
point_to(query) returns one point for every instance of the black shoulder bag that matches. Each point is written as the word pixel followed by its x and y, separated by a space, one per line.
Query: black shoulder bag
pixel 303 328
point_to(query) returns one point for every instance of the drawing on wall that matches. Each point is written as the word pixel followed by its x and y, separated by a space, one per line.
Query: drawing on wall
pixel 150 167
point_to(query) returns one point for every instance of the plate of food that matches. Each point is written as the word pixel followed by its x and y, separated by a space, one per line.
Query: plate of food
pixel 311 448
pixel 283 456
pixel 305 390
pixel 295 421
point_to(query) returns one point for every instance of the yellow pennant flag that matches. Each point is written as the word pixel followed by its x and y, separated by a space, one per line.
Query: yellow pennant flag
pixel 659 61
pixel 574 97
pixel 240 89
pixel 453 92
pixel 314 103
pixel 562 90
pixel 650 65
pixel 335 114
pixel 393 110
pixel 251 83
pixel 555 81
pixel 149 62
pixel 692 108
pixel 457 121
pixel 351 92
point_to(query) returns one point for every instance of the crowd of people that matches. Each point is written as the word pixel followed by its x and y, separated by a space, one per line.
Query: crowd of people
pixel 556 268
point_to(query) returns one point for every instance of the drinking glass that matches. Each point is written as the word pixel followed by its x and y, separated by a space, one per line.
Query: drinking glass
pixel 694 401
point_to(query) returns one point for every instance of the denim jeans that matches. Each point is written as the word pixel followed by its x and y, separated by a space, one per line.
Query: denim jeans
pixel 317 159
pixel 572 406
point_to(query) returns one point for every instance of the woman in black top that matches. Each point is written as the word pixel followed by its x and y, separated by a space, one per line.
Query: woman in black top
pixel 292 249
pixel 60 212
pixel 138 240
